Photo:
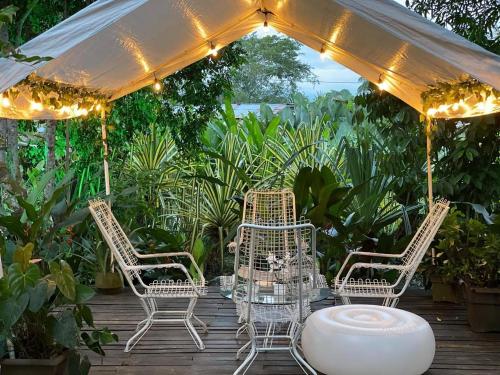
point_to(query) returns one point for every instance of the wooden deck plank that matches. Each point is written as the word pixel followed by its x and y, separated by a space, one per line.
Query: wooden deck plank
pixel 169 350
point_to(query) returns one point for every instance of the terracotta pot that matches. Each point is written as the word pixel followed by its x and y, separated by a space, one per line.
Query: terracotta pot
pixel 445 291
pixel 54 366
pixel 483 308
pixel 109 282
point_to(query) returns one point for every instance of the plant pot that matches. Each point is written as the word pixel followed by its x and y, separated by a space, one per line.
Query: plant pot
pixel 483 308
pixel 109 282
pixel 54 366
pixel 445 291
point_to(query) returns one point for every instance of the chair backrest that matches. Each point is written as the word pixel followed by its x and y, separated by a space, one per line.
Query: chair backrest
pixel 269 207
pixel 273 265
pixel 114 236
pixel 416 249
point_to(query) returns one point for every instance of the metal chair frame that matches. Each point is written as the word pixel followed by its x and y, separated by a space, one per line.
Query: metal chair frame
pixel 408 262
pixel 292 312
pixel 128 260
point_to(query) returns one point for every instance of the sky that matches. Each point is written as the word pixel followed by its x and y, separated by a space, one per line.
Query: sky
pixel 331 75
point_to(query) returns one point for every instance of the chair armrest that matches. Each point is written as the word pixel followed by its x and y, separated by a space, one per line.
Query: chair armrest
pixel 362 253
pixel 381 255
pixel 176 254
pixel 379 266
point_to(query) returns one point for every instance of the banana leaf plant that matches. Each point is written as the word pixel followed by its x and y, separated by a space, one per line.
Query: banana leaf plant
pixel 43 312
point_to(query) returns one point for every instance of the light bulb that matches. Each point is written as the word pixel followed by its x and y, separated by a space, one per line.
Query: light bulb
pixel 84 112
pixel 5 102
pixel 36 106
pixel 322 54
pixel 98 107
pixel 212 51
pixel 481 106
pixel 442 108
pixel 431 111
pixel 383 85
pixel 455 106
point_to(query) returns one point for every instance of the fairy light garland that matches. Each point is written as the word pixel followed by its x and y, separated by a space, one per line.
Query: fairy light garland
pixel 49 95
pixel 465 98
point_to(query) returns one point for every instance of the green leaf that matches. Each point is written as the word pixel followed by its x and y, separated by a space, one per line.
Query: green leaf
pixel 20 281
pixel 65 330
pixel 64 278
pixel 22 255
pixel 38 296
pixel 83 293
pixel 10 312
pixel 86 314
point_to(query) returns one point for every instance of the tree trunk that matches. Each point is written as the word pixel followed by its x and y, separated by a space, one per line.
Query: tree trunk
pixel 3 140
pixel 50 139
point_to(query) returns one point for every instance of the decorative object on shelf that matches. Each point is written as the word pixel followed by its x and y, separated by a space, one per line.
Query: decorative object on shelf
pixel 467 97
pixel 368 339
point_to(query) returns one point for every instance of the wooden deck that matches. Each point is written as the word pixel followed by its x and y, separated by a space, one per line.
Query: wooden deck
pixel 169 350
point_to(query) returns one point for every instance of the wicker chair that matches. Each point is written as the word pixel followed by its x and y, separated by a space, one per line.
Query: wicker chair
pixel 149 294
pixel 405 264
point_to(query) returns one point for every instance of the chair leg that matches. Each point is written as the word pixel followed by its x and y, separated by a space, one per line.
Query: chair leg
pixel 345 300
pixel 295 331
pixel 201 323
pixel 143 326
pixel 190 327
pixel 242 369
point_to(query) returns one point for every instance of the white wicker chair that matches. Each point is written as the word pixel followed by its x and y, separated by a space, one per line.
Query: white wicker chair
pixel 405 264
pixel 274 276
pixel 149 294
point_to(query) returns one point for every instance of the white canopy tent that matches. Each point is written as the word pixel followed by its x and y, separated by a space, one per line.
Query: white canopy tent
pixel 119 46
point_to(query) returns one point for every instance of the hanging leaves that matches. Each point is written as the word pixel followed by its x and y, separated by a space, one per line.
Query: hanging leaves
pixel 465 98
pixel 68 100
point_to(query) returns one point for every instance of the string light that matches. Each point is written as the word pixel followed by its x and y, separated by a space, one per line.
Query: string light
pixel 98 107
pixel 431 112
pixel 35 106
pixel 382 84
pixel 322 54
pixel 5 101
pixel 157 86
pixel 212 51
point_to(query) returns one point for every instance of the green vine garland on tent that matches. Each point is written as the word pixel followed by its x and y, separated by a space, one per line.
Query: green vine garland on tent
pixel 465 98
pixel 62 98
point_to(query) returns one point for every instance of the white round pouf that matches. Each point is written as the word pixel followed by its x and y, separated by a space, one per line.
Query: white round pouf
pixel 368 339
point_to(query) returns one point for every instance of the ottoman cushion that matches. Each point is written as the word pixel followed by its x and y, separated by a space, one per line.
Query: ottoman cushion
pixel 368 339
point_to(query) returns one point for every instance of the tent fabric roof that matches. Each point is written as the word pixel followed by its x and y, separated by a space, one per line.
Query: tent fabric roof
pixel 118 46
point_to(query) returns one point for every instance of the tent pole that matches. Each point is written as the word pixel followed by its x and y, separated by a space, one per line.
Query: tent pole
pixel 104 136
pixel 429 170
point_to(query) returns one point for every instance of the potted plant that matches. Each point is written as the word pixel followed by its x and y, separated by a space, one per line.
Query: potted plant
pixel 439 267
pixel 43 313
pixel 108 280
pixel 479 267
